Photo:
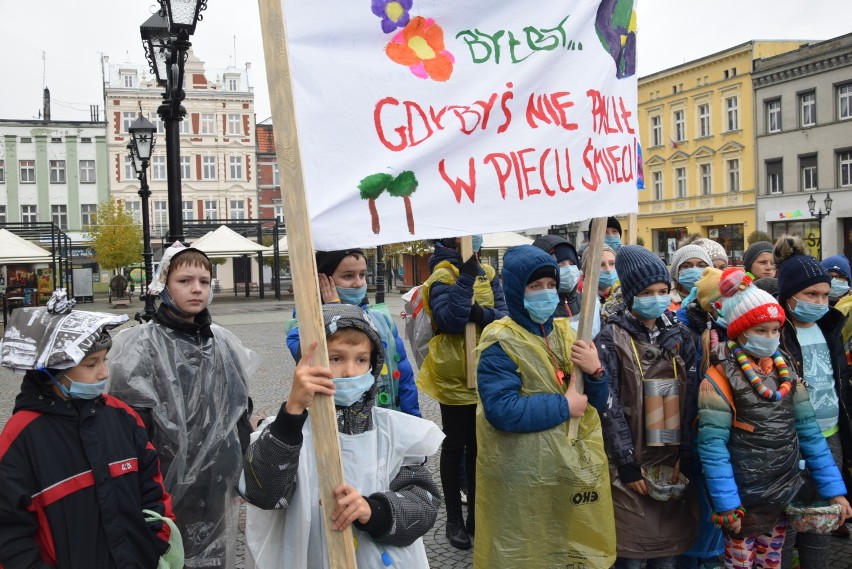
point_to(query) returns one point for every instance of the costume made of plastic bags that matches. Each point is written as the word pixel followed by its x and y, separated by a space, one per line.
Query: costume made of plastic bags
pixel 443 375
pixel 542 499
pixel 293 538
pixel 196 389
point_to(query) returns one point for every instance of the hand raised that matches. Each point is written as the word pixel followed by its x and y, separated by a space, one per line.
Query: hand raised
pixel 308 381
pixel 328 290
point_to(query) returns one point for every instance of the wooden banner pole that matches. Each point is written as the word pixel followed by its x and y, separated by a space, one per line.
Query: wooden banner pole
pixel 341 550
pixel 588 304
pixel 466 250
pixel 633 222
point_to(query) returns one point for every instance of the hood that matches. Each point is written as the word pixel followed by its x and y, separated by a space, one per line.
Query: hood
pixel 519 263
pixel 444 254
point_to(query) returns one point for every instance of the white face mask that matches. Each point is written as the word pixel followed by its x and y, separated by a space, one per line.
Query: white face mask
pixel 348 390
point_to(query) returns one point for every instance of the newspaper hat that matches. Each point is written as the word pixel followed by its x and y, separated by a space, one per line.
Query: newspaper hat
pixel 158 283
pixel 54 336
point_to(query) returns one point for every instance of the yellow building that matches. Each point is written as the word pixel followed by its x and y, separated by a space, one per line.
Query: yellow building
pixel 696 125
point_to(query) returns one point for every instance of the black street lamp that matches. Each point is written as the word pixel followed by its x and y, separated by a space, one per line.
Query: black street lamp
pixel 165 37
pixel 820 215
pixel 380 274
pixel 141 146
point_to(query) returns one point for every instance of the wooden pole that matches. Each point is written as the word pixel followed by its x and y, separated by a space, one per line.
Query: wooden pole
pixel 341 550
pixel 588 305
pixel 633 222
pixel 466 250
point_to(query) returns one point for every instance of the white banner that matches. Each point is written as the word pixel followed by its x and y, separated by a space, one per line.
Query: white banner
pixel 429 118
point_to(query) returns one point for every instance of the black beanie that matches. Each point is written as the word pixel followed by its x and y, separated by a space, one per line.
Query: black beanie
pixel 544 271
pixel 557 246
pixel 754 251
pixel 614 223
pixel 327 261
pixel 638 269
pixel 797 273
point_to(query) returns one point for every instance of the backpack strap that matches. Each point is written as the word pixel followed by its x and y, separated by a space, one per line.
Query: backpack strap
pixel 717 378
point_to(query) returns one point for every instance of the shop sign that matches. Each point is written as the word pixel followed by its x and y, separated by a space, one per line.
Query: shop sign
pixel 700 218
pixel 687 219
pixel 788 215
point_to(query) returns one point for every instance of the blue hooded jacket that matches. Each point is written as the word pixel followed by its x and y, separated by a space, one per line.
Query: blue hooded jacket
pixel 497 375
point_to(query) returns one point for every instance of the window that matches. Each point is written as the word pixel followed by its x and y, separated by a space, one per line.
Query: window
pixel 208 123
pixel 807 109
pixel 680 176
pixel 773 116
pixel 129 172
pixel 238 209
pixel 161 217
pixel 57 171
pixel 845 161
pixel 26 140
pixel 2 171
pixel 279 213
pixel 29 214
pixel 706 179
pixel 211 209
pixel 234 124
pixel 2 214
pixel 185 168
pixel 158 167
pixel 232 83
pixel 658 185
pixel 844 101
pixel 704 120
pixel 134 208
pixel 86 140
pixel 808 167
pixel 59 216
pixel 87 171
pixel 732 113
pixel 276 175
pixel 158 122
pixel 27 171
pixel 679 127
pixel 656 131
pixel 773 177
pixel 128 80
pixel 88 214
pixel 734 175
pixel 126 120
pixel 184 127
pixel 56 140
pixel 236 163
pixel 208 167
pixel 187 211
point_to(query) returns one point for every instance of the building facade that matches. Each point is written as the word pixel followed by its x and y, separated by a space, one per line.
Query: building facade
pixel 268 176
pixel 803 116
pixel 697 136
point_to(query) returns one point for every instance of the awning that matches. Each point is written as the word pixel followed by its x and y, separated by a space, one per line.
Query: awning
pixel 14 249
pixel 225 242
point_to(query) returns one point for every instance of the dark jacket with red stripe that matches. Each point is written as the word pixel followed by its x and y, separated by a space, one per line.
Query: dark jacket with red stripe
pixel 74 479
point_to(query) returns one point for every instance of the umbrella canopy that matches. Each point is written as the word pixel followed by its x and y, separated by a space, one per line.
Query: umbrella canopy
pixel 282 245
pixel 225 242
pixel 14 249
pixel 504 240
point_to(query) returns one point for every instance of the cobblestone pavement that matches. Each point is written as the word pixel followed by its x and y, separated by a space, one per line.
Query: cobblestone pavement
pixel 258 323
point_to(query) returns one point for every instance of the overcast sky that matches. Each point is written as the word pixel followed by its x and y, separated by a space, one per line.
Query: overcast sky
pixel 73 36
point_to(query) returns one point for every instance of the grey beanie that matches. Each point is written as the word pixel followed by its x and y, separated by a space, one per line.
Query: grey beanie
pixel 638 269
pixel 754 251
pixel 691 251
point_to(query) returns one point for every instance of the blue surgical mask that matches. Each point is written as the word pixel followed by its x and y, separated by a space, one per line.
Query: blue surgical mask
pixel 568 278
pixel 761 346
pixel 607 279
pixel 348 390
pixel 476 242
pixel 541 304
pixel 688 277
pixel 809 311
pixel 838 289
pixel 78 390
pixel 651 307
pixel 352 295
pixel 614 241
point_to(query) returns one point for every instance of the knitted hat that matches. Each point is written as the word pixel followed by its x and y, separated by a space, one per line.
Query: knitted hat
pixel 708 288
pixel 542 272
pixel 744 305
pixel 614 223
pixel 714 250
pixel 586 259
pixel 754 251
pixel 769 284
pixel 560 248
pixel 838 264
pixel 691 251
pixel 638 269
pixel 796 270
pixel 327 261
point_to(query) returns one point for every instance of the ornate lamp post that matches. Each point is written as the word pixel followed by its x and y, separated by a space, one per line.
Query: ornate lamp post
pixel 165 37
pixel 820 215
pixel 141 146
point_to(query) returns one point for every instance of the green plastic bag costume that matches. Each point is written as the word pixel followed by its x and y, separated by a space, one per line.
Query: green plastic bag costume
pixel 542 500
pixel 174 557
pixel 443 374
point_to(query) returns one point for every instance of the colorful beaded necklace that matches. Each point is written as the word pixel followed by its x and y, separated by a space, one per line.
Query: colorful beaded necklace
pixel 756 383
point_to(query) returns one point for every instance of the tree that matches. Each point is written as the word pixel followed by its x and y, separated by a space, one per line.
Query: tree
pixel 403 186
pixel 640 241
pixel 371 188
pixel 116 239
pixel 758 235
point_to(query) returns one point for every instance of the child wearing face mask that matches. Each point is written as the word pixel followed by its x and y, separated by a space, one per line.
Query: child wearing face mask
pixel 812 337
pixel 188 380
pixel 81 482
pixel 525 362
pixel 651 362
pixel 755 421
pixel 838 268
pixel 389 497
pixel 343 280
pixel 688 264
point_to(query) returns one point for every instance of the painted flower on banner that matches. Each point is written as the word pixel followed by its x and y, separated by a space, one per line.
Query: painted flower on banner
pixel 420 47
pixel 394 13
pixel 616 28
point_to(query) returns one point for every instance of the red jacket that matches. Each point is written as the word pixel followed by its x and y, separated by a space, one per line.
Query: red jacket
pixel 76 476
